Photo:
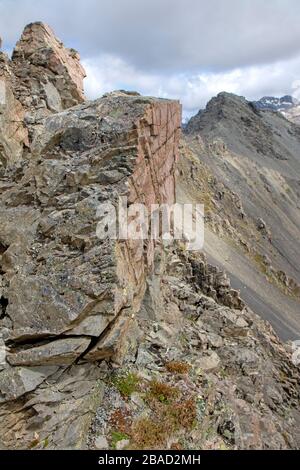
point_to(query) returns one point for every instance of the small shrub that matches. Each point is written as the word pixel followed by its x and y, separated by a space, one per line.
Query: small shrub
pixel 148 434
pixel 182 414
pixel 166 421
pixel 177 367
pixel 162 391
pixel 121 420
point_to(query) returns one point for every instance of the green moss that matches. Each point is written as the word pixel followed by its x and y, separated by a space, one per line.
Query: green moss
pixel 45 442
pixel 117 436
pixel 126 384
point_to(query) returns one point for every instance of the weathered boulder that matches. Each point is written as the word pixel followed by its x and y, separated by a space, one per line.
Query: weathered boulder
pixel 17 381
pixel 60 277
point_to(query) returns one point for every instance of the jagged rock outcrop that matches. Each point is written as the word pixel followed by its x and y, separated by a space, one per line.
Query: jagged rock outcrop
pixel 59 280
pixel 47 77
pixel 66 295
pixel 43 77
pixel 42 62
pixel 205 375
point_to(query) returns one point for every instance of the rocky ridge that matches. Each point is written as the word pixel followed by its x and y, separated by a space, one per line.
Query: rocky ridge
pixel 287 105
pixel 106 340
pixel 272 103
pixel 252 159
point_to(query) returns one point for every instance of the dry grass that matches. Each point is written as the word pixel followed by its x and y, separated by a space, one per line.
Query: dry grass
pixel 153 433
pixel 163 392
pixel 170 413
pixel 184 414
pixel 177 367
pixel 148 434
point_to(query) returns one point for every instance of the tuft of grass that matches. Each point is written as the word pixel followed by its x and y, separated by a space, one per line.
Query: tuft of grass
pixel 117 436
pixel 126 384
pixel 153 433
pixel 162 391
pixel 183 414
pixel 148 434
pixel 177 367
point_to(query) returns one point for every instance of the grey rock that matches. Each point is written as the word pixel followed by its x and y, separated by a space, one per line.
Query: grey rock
pixel 261 224
pixel 122 444
pixel 63 284
pixel 208 363
pixel 16 381
pixel 59 352
pixel 101 443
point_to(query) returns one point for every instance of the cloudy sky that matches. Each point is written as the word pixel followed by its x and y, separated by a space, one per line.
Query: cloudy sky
pixel 186 49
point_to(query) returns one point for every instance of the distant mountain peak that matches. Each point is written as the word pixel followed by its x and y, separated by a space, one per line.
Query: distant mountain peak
pixel 273 103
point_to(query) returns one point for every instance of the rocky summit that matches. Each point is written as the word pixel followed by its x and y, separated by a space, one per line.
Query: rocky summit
pixel 287 105
pixel 110 343
pixel 272 103
pixel 244 163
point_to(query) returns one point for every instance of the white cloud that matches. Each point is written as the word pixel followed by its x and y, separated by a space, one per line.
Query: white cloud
pixel 107 73
pixel 188 50
pixel 167 35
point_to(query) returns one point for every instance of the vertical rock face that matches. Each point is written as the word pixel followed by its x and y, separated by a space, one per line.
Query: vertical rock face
pixel 67 297
pixel 86 156
pixel 13 133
